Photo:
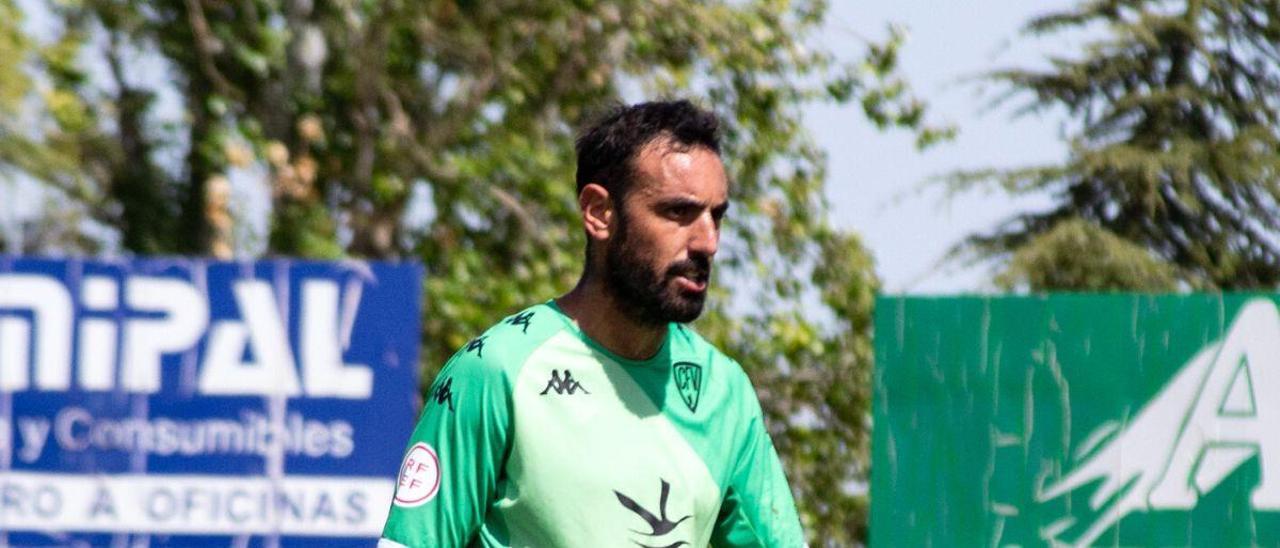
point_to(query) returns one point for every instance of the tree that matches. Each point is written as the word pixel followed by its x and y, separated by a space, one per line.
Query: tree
pixel 14 83
pixel 1173 174
pixel 363 112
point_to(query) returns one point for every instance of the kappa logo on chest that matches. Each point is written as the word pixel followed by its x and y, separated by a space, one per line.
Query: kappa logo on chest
pixel 565 384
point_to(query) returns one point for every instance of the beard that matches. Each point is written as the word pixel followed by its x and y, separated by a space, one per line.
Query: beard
pixel 648 295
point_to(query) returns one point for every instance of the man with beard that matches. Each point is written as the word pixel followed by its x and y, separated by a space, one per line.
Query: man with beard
pixel 600 419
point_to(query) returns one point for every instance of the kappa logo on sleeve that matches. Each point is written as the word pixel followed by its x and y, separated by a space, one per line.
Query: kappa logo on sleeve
pixel 521 320
pixel 443 393
pixel 477 345
pixel 419 477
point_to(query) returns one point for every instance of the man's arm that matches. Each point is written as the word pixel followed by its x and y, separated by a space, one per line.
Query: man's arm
pixel 758 510
pixel 450 470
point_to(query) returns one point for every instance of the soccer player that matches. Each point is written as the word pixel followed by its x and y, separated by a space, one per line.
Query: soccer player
pixel 599 419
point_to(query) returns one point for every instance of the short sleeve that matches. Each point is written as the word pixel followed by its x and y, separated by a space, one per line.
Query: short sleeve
pixel 450 470
pixel 758 510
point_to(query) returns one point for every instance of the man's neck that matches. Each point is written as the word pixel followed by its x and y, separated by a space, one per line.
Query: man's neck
pixel 600 316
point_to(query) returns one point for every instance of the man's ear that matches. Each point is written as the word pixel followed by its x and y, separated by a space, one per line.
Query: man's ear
pixel 597 211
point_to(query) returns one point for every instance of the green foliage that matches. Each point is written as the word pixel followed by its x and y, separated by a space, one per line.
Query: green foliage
pixel 356 108
pixel 14 83
pixel 1175 152
pixel 32 146
pixel 1078 255
pixel 14 47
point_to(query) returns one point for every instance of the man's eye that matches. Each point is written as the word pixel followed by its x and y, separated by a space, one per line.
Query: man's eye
pixel 681 212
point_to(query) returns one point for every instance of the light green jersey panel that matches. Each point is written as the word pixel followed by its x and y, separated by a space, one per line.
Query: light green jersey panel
pixel 596 463
pixel 571 445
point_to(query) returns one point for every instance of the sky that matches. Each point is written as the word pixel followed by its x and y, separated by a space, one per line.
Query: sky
pixel 876 182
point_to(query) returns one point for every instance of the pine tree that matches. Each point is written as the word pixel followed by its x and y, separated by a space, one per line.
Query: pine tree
pixel 1173 174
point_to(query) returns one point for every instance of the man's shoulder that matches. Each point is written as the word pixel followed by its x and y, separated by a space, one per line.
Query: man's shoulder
pixel 507 344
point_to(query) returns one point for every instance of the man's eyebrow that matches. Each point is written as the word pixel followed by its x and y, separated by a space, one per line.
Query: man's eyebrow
pixel 680 201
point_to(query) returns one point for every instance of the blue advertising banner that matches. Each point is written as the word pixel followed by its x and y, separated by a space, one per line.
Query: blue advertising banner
pixel 187 402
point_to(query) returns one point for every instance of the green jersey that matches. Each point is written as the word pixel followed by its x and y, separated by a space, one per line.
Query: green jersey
pixel 535 435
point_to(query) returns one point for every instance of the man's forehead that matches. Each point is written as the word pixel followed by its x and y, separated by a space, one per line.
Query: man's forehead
pixel 693 171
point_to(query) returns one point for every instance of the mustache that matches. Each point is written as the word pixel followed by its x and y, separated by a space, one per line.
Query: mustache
pixel 697 268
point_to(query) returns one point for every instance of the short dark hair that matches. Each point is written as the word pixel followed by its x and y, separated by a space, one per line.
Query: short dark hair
pixel 607 147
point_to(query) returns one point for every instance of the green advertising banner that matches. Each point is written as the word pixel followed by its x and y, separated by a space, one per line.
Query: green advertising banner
pixel 1126 420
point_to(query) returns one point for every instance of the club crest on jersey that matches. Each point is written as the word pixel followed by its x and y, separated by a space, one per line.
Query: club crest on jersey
pixel 1218 412
pixel 688 377
pixel 419 479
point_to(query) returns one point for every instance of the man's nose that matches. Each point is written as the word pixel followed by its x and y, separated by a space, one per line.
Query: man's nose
pixel 705 239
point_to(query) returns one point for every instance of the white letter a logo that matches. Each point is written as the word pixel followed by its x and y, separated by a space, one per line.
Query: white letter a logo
pixel 1228 423
pixel 1204 423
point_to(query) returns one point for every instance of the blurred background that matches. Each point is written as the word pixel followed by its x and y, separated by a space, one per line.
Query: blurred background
pixel 906 146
